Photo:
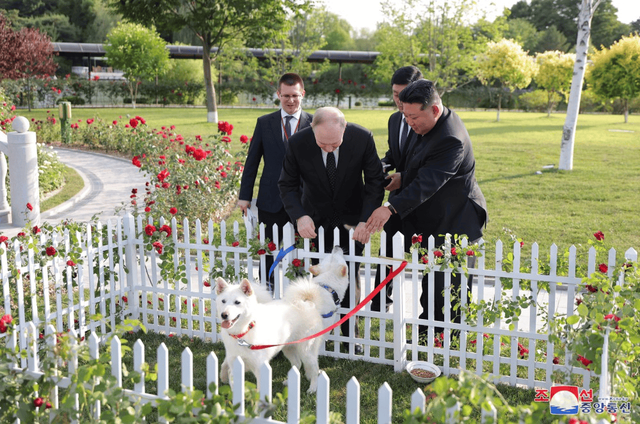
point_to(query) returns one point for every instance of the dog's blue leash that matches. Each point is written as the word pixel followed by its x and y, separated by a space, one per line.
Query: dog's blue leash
pixel 281 254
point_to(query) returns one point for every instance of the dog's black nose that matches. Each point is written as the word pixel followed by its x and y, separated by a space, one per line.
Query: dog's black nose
pixel 224 315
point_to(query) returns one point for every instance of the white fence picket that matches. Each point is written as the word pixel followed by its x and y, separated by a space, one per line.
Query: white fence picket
pixel 385 405
pixel 353 401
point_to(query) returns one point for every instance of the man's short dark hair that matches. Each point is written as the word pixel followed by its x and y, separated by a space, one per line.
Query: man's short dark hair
pixel 406 75
pixel 290 79
pixel 421 91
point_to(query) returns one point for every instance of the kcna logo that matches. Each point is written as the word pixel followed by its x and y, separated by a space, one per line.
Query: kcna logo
pixel 569 400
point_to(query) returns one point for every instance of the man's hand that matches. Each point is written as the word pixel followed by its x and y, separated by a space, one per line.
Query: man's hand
pixel 378 218
pixel 361 234
pixel 306 227
pixel 396 181
pixel 243 205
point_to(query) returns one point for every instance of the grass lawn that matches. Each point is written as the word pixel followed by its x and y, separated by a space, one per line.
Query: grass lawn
pixel 552 207
pixel 73 183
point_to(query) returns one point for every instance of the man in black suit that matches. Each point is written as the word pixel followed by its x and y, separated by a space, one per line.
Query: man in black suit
pixel 439 193
pixel 342 183
pixel 269 141
pixel 399 136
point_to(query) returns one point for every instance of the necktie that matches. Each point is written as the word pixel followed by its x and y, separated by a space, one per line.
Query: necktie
pixel 334 221
pixel 331 169
pixel 403 135
pixel 287 127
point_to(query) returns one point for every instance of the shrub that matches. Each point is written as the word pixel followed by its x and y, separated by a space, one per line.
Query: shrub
pixel 385 103
pixel 536 100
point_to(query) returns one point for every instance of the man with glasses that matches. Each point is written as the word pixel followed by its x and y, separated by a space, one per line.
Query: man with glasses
pixel 269 141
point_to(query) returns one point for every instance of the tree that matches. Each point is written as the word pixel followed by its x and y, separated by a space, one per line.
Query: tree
pixel 137 51
pixel 523 32
pixel 506 65
pixel 215 22
pixel 587 9
pixel 616 71
pixel 27 53
pixel 554 74
pixel 551 39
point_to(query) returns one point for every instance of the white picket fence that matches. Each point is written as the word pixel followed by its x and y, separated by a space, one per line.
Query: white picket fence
pixel 118 266
pixel 30 364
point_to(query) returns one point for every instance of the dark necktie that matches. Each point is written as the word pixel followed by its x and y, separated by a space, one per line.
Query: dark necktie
pixel 331 169
pixel 334 221
pixel 403 135
pixel 287 127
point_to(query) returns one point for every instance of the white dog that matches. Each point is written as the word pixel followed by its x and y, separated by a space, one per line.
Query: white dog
pixel 247 322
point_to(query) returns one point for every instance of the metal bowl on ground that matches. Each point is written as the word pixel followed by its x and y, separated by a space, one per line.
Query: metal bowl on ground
pixel 422 371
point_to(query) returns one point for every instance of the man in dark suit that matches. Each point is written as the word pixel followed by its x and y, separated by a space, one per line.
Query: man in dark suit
pixel 342 183
pixel 269 141
pixel 439 193
pixel 399 136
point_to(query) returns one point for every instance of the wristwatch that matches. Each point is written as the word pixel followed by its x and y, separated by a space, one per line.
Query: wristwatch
pixel 390 207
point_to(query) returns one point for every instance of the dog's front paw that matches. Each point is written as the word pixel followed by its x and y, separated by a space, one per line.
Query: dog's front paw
pixel 313 387
pixel 224 372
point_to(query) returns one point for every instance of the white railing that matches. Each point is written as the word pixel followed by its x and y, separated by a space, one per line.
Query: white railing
pixel 117 266
pixel 139 392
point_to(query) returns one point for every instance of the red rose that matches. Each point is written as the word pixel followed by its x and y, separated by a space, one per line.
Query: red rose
pixel 29 206
pixel 162 175
pixel 158 247
pixel 556 360
pixel 4 322
pixel 225 127
pixel 272 246
pixel 90 121
pixel 437 254
pixel 166 229
pixel 470 253
pixel 584 360
pixel 613 317
pixel 71 263
pixel 599 235
pixel 453 251
pixel 173 211
pixel 48 404
pixel 337 91
pixel 51 251
pixel 37 402
pixel 261 252
pixel 424 259
pixel 136 161
pixel 591 288
pixel 125 299
pixel 603 268
pixel 207 284
pixel 296 262
pixel 578 301
pixel 416 239
pixel 22 234
pixel 244 139
pixel 3 239
pixel 198 138
pixel 235 244
pixel 115 122
pixel 199 154
pixel 36 229
pixel 226 139
pixel 149 229
pixel 133 122
pixel 147 209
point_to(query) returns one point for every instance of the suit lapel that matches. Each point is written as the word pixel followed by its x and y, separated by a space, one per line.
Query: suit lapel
pixel 276 130
pixel 395 140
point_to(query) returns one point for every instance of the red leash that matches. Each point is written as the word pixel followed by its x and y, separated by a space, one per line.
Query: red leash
pixel 390 277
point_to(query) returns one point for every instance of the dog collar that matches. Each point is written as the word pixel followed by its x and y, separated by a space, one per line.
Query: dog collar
pixel 237 336
pixel 336 300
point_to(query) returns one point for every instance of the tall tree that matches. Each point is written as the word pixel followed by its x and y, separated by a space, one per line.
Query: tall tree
pixel 506 66
pixel 554 75
pixel 27 53
pixel 215 22
pixel 616 71
pixel 524 32
pixel 551 39
pixel 139 52
pixel 587 9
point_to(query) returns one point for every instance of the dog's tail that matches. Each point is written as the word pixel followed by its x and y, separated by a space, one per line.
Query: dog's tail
pixel 304 292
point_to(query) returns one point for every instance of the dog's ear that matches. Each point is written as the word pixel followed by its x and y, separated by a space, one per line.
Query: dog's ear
pixel 343 270
pixel 314 270
pixel 221 285
pixel 246 287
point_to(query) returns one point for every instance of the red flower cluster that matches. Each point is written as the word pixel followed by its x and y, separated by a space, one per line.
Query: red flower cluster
pixel 584 360
pixel 416 239
pixel 470 253
pixel 4 323
pixel 136 161
pixel 522 350
pixel 454 252
pixel 199 154
pixel 162 175
pixel 3 239
pixel 29 206
pixel 158 247
pixel 235 243
pixel 424 259
pixel 225 127
pixel 261 252
pixel 599 235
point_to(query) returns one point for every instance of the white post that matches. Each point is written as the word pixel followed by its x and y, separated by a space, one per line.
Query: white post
pixel 23 171
pixel 4 205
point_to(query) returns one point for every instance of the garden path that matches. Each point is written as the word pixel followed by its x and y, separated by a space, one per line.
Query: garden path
pixel 108 182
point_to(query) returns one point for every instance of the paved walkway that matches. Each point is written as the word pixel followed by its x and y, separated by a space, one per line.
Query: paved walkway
pixel 107 185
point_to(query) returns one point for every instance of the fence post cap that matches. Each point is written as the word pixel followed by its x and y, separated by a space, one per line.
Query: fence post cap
pixel 21 124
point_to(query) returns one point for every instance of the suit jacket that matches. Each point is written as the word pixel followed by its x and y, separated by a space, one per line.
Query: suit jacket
pixel 439 191
pixel 354 198
pixel 395 156
pixel 267 143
